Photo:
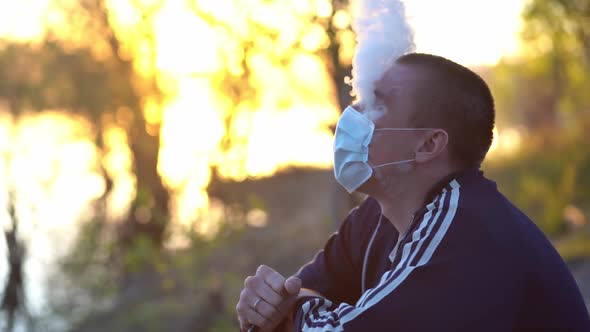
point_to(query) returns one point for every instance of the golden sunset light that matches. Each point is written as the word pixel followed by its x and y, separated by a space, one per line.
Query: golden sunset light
pixel 271 138
pixel 49 163
pixel 473 33
pixel 158 155
pixel 298 135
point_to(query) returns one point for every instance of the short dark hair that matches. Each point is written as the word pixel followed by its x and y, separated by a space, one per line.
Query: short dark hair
pixel 458 100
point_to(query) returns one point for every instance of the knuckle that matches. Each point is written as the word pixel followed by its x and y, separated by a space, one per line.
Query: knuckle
pixel 275 283
pixel 243 294
pixel 249 281
pixel 243 308
pixel 262 269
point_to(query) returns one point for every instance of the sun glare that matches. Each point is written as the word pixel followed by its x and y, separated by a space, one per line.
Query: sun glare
pixel 473 33
pixel 50 166
pixel 22 20
pixel 289 122
pixel 274 138
pixel 186 45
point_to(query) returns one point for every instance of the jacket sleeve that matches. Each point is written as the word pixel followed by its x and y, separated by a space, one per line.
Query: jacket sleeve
pixel 447 278
pixel 335 271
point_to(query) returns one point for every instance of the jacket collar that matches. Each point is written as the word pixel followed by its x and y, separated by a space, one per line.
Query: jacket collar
pixel 461 176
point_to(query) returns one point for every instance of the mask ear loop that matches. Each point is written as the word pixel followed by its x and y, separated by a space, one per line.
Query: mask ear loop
pixel 399 129
pixel 402 129
pixel 395 163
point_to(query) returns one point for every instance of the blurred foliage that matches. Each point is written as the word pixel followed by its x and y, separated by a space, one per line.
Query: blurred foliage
pixel 546 87
pixel 86 66
pixel 544 93
pixel 89 75
pixel 258 49
pixel 103 285
pixel 194 288
pixel 544 181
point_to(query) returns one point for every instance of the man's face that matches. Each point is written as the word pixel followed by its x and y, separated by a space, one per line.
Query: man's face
pixel 394 94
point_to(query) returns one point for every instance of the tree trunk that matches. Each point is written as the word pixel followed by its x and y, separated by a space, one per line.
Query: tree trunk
pixel 149 213
pixel 13 299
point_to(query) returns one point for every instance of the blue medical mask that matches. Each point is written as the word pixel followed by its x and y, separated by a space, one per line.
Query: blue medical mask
pixel 354 133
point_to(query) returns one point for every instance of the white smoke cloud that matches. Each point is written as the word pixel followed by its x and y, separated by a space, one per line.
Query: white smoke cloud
pixel 382 35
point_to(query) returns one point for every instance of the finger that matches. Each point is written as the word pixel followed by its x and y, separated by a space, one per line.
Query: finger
pixel 249 281
pixel 268 294
pixel 257 319
pixel 247 317
pixel 293 285
pixel 256 285
pixel 268 311
pixel 242 308
pixel 244 305
pixel 244 325
pixel 274 279
pixel 264 270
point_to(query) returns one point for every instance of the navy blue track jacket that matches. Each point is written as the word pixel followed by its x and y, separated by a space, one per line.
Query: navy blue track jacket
pixel 471 261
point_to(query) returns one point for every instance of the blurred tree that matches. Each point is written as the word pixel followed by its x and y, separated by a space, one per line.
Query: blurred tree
pixel 80 67
pixel 87 67
pixel 563 25
pixel 255 35
pixel 13 295
pixel 544 92
pixel 550 81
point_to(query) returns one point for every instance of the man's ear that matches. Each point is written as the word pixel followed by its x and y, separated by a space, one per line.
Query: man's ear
pixel 432 145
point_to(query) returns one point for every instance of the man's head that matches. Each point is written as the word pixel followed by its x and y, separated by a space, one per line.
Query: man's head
pixel 427 91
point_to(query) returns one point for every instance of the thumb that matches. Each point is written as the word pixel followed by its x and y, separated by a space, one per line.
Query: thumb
pixel 293 285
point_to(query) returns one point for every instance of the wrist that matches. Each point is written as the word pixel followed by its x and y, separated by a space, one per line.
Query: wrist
pixel 304 295
pixel 296 312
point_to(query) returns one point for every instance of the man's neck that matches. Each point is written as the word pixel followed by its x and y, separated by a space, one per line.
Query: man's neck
pixel 399 207
pixel 399 204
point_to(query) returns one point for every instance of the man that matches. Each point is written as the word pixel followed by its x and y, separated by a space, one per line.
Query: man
pixel 435 246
